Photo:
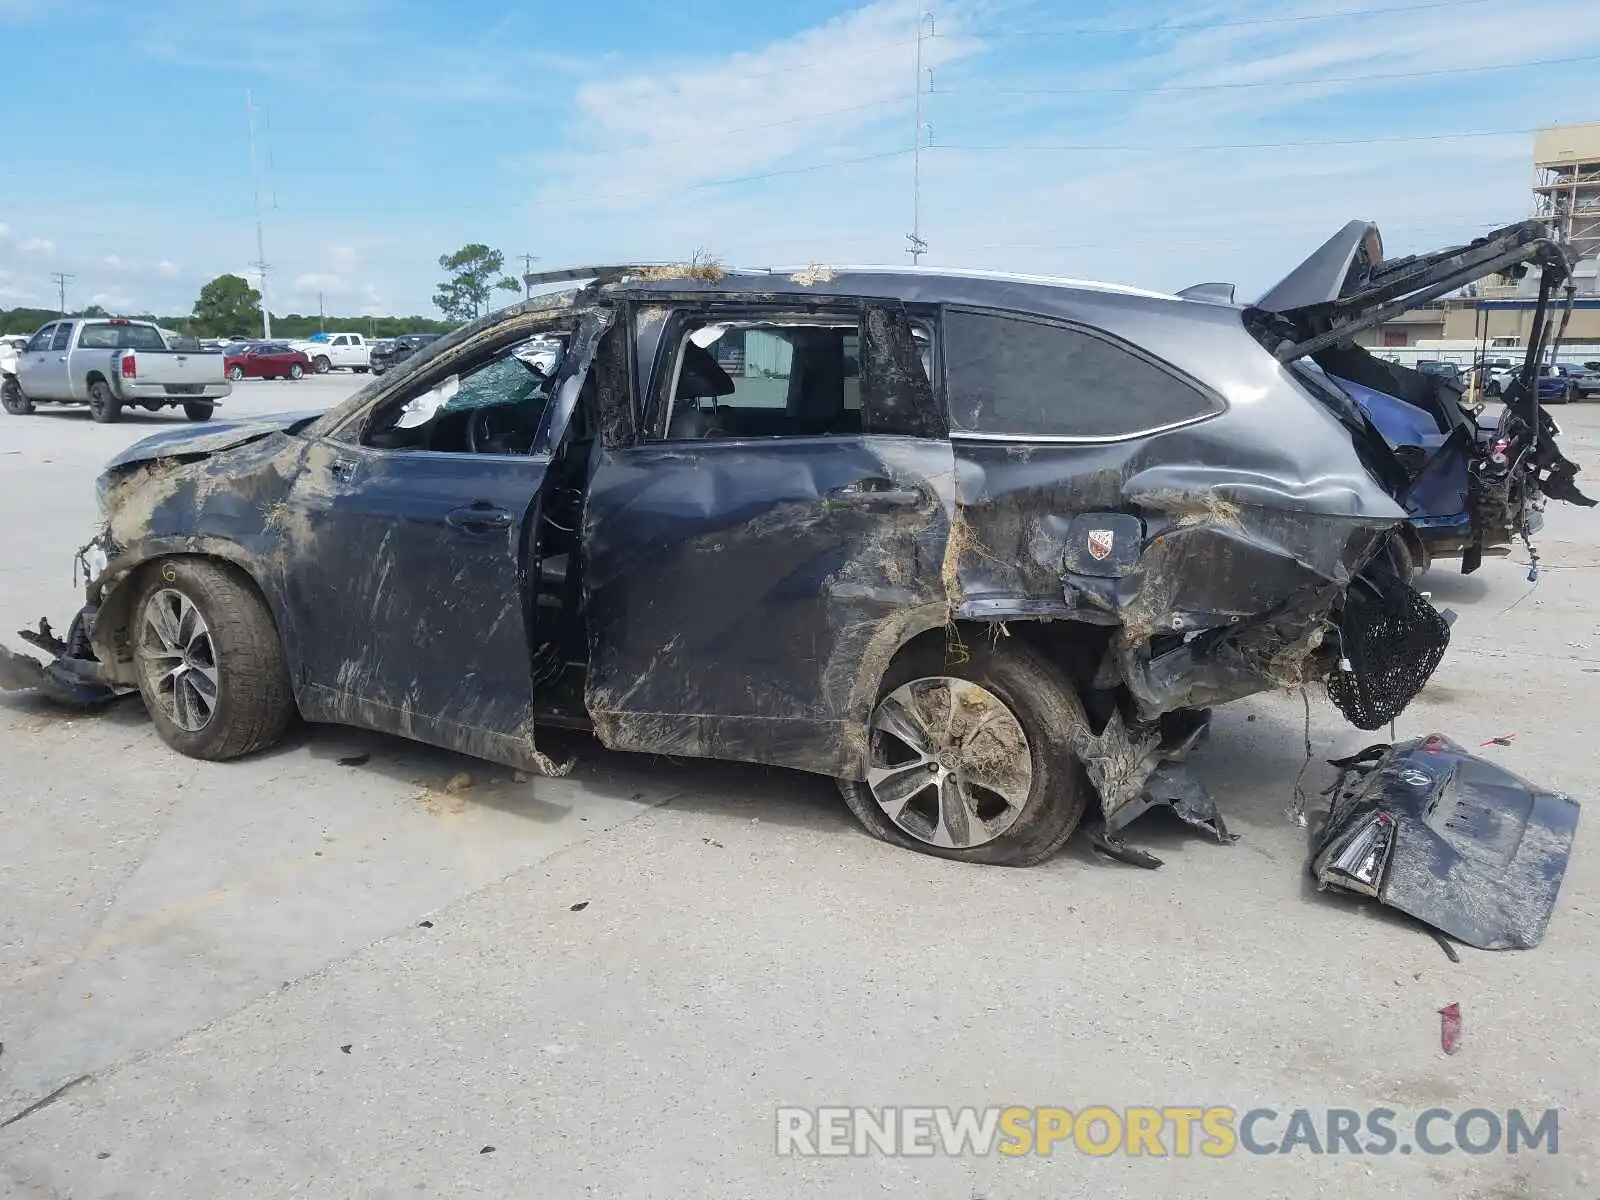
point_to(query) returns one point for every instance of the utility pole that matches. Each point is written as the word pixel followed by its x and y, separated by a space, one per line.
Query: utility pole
pixel 261 246
pixel 527 269
pixel 917 246
pixel 321 316
pixel 61 280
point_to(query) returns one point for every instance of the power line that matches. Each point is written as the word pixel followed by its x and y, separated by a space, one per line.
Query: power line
pixel 1152 148
pixel 1119 31
pixel 579 201
pixel 1268 83
pixel 1179 26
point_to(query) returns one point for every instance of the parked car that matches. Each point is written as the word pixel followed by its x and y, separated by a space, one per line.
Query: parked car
pixel 998 570
pixel 335 351
pixel 1557 384
pixel 265 360
pixel 1583 381
pixel 393 351
pixel 110 364
pixel 1444 370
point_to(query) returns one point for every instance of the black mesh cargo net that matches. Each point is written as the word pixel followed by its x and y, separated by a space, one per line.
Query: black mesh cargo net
pixel 1391 644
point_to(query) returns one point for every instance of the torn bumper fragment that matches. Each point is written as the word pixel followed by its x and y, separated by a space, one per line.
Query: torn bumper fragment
pixel 73 676
pixel 1459 843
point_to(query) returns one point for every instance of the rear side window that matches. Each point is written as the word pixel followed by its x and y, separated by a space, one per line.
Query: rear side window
pixel 120 337
pixel 1025 377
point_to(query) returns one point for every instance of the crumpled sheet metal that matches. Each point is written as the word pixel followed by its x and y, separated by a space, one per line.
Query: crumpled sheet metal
pixel 1452 839
pixel 1137 770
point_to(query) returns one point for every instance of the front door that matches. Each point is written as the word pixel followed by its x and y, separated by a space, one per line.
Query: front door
pixel 412 602
pixel 45 375
pixel 752 561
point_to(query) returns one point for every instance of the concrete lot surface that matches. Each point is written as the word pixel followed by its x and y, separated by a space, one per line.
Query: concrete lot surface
pixel 286 976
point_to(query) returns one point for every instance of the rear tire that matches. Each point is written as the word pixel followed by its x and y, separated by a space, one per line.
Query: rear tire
pixel 1034 698
pixel 210 664
pixel 12 399
pixel 199 410
pixel 104 407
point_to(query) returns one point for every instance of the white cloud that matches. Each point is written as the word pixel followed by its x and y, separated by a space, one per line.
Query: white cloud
pixel 37 246
pixel 1160 211
pixel 113 301
pixel 670 127
pixel 166 269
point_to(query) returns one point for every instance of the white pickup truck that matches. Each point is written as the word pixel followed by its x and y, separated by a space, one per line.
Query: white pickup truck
pixel 110 364
pixel 332 351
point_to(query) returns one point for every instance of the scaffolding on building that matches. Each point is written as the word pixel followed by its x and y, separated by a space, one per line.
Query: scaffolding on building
pixel 1566 188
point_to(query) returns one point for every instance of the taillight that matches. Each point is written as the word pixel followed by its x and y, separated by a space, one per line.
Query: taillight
pixel 130 366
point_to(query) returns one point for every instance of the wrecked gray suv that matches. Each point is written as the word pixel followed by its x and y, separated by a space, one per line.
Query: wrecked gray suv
pixel 983 548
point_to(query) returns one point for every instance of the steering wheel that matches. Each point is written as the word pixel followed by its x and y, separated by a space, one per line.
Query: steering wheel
pixel 481 434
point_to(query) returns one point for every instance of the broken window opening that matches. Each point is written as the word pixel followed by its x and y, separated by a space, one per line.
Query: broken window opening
pixel 495 402
pixel 778 376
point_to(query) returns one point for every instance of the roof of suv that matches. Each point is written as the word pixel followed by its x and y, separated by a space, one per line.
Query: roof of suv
pixel 1039 294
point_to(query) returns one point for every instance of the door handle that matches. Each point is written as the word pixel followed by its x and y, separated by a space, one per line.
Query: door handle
pixel 342 468
pixel 478 518
pixel 877 492
pixel 63 358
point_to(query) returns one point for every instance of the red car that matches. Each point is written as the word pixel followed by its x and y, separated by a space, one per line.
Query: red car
pixel 264 360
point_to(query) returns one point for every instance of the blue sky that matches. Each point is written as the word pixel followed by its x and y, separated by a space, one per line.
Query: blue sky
pixel 1095 140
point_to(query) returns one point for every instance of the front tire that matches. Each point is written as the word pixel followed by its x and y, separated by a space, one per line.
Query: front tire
pixel 296 371
pixel 236 373
pixel 197 410
pixel 104 407
pixel 12 399
pixel 321 365
pixel 210 665
pixel 971 760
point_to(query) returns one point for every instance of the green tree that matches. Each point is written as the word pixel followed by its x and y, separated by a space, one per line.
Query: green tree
pixel 228 304
pixel 475 275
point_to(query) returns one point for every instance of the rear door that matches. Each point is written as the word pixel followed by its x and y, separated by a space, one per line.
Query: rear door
pixel 771 531
pixel 411 599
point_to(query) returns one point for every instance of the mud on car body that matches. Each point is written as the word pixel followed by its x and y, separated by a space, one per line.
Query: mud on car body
pixel 982 548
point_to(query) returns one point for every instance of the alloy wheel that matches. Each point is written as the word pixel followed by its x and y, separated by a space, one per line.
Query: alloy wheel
pixel 179 660
pixel 950 763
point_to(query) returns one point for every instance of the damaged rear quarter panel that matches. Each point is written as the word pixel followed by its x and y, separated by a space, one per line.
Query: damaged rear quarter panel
pixel 1253 522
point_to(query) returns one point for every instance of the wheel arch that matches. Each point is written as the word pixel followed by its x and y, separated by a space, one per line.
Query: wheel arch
pixel 110 634
pixel 1072 648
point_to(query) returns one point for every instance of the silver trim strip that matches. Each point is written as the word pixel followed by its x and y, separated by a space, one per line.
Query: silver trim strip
pixel 1078 439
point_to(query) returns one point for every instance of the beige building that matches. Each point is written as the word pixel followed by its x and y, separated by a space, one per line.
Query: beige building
pixel 1566 185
